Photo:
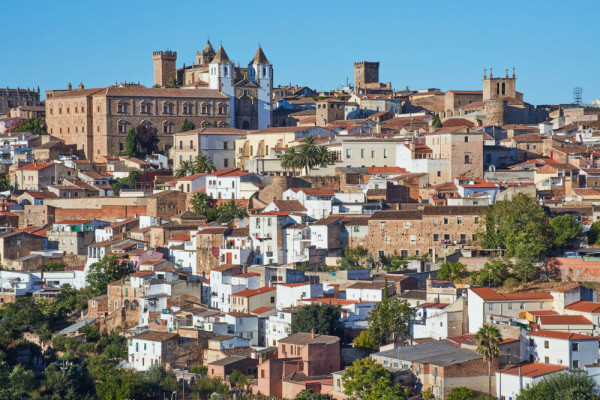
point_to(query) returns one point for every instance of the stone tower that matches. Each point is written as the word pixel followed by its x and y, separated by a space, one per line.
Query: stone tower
pixel 220 78
pixel 260 71
pixel 206 56
pixel 164 67
pixel 365 72
pixel 497 88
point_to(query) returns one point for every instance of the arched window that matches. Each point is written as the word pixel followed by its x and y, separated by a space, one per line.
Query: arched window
pixel 122 126
pixel 167 126
pixel 245 125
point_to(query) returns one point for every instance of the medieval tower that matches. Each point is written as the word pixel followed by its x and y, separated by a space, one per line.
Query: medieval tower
pixel 365 72
pixel 164 67
pixel 497 88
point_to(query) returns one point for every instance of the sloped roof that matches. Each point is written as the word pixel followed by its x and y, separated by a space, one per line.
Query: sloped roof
pixel 221 56
pixel 260 58
pixel 561 335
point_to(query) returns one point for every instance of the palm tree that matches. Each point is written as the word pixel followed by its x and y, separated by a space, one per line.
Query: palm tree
pixel 201 202
pixel 488 340
pixel 306 156
pixel 289 159
pixel 185 168
pixel 230 211
pixel 204 164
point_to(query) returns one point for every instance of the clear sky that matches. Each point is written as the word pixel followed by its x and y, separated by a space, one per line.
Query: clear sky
pixel 444 44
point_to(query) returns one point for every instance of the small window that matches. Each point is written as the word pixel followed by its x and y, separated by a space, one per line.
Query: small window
pixel 575 364
pixel 546 344
pixel 575 346
pixel 466 139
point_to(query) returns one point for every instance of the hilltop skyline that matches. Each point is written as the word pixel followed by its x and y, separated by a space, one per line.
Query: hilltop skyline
pixel 315 44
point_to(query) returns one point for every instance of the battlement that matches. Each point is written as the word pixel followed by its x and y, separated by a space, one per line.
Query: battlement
pixel 367 64
pixel 168 55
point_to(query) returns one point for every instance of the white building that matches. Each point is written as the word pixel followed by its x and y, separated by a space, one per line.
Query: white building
pixel 368 291
pixel 243 325
pixel 509 382
pixel 318 202
pixel 149 348
pixel 289 293
pixel 571 350
pixel 220 78
pixel 279 326
pixel 224 283
pixel 231 184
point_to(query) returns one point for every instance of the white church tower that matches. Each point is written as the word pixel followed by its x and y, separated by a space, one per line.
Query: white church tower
pixel 221 78
pixel 260 71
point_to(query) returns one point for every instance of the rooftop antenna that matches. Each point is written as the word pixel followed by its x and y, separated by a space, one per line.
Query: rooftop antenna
pixel 578 95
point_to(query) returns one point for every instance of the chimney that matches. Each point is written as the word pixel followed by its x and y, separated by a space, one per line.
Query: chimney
pixel 312 333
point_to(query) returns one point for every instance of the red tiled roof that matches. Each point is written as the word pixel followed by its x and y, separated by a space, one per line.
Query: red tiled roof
pixel 275 213
pixel 181 238
pixel 254 292
pixel 293 284
pixel 584 306
pixel 490 294
pixel 247 275
pixel 533 370
pixel 330 301
pixel 433 305
pixel 191 177
pixel 562 335
pixel 231 172
pixel 261 310
pixel 542 312
pixel 36 166
pixel 386 170
pixel 289 205
pixel 141 274
pixel 564 320
pixel 315 192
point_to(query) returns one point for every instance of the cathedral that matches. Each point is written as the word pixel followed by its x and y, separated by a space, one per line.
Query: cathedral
pixel 249 88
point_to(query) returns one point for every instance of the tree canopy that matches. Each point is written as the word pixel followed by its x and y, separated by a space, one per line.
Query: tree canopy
pixel 147 139
pixel 452 271
pixel 33 125
pixel 572 385
pixel 493 273
pixel 388 320
pixel 103 272
pixel 367 380
pixel 131 142
pixel 306 156
pixel 186 125
pixel 323 319
pixel 436 122
pixel 565 231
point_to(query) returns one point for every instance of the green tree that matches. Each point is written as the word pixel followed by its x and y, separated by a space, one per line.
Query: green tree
pixel 65 343
pixel 33 125
pixel 562 386
pixel 367 380
pixel 310 395
pixel 147 139
pixel 365 341
pixel 452 271
pixel 494 273
pixel 157 379
pixel 488 340
pixel 131 142
pixel 354 258
pixel 461 393
pixel 113 346
pixel 565 230
pixel 204 164
pixel 306 156
pixel 201 203
pixel 206 385
pixel 100 367
pixel 322 319
pixel 5 183
pixel 231 210
pixel 103 272
pixel 239 380
pixel 199 369
pixel 389 319
pixel 186 125
pixel 186 168
pixel 172 83
pixel 124 384
pixel 436 122
pixel 594 233
pixel 66 381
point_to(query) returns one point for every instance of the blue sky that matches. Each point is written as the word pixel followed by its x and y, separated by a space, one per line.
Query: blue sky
pixel 443 44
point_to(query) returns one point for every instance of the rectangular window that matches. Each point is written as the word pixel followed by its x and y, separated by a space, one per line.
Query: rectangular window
pixel 467 159
pixel 575 346
pixel 575 364
pixel 436 237
pixel 546 360
pixel 546 344
pixel 490 307
pixel 459 220
pixel 348 153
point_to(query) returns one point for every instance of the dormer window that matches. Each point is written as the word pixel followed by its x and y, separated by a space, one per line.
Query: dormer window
pixel 167 108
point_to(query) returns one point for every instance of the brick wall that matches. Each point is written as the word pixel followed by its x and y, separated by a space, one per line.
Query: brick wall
pixel 107 213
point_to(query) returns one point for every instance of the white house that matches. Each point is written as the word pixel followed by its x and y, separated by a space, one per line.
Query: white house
pixel 243 325
pixel 279 326
pixel 368 291
pixel 222 286
pixel 289 293
pixel 318 202
pixel 232 183
pixel 149 348
pixel 510 381
pixel 191 183
pixel 571 350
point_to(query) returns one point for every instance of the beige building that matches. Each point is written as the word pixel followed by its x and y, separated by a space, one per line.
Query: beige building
pixel 38 176
pixel 264 144
pixel 216 143
pixel 251 299
pixel 97 120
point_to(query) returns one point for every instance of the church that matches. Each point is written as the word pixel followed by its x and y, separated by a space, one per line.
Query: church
pixel 249 88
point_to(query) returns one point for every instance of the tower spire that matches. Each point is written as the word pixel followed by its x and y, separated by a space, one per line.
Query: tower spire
pixel 484 73
pixel 491 74
pixel 513 72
